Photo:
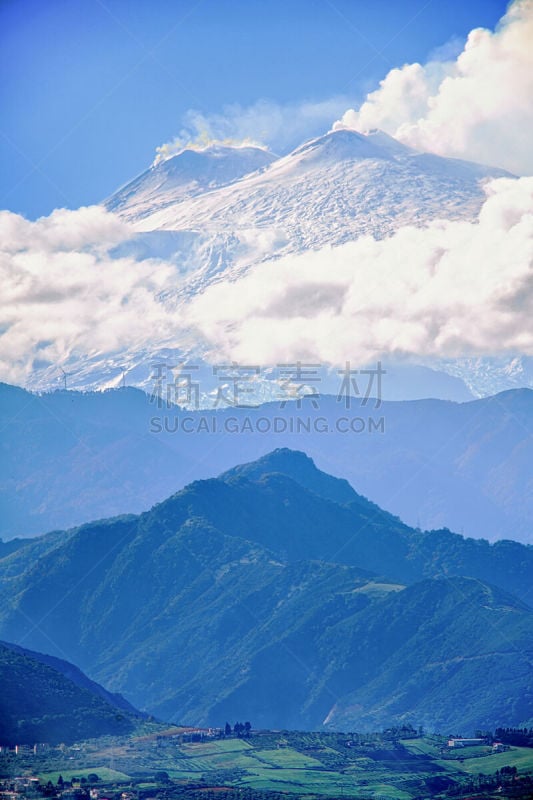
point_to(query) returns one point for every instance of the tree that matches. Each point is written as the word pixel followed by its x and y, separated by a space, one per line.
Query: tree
pixel 60 781
pixel 227 729
pixel 247 728
pixel 49 790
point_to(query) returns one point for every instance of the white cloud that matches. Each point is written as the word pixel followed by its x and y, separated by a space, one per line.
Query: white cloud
pixel 279 127
pixel 62 230
pixel 477 106
pixel 451 289
pixel 65 296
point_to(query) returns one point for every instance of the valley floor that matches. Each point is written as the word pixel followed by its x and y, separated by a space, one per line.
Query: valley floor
pixel 182 763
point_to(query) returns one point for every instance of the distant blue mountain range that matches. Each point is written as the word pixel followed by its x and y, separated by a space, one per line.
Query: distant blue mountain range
pixel 67 457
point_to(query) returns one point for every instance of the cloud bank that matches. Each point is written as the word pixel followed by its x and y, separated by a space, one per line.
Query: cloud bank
pixel 476 106
pixel 448 290
pixel 65 296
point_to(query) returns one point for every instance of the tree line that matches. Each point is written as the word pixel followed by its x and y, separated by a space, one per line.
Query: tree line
pixel 238 729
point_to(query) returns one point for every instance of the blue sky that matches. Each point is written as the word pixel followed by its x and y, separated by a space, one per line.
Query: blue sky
pixel 91 88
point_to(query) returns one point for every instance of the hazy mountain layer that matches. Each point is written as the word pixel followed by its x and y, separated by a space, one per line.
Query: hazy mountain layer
pixel 67 457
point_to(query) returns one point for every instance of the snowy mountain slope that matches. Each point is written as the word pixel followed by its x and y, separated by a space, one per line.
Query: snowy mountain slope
pixel 331 190
pixel 186 175
pixel 486 375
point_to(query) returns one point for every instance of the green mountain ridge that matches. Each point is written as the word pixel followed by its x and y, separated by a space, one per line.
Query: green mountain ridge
pixel 257 595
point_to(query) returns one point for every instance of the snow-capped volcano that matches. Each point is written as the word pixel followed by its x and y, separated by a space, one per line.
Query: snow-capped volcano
pixel 216 212
pixel 330 190
pixel 189 173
